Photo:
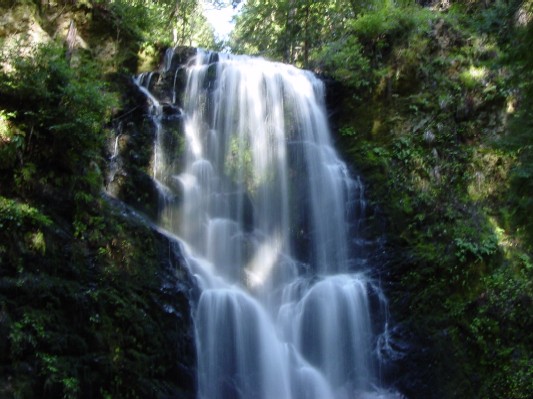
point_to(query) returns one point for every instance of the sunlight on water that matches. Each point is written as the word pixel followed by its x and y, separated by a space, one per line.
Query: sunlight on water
pixel 260 266
pixel 267 212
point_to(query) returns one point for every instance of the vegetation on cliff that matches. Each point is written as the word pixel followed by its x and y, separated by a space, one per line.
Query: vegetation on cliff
pixel 437 139
pixel 432 105
pixel 93 300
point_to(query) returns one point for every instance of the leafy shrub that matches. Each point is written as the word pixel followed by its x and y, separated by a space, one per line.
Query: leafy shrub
pixel 60 113
pixel 391 22
pixel 11 141
pixel 520 142
pixel 357 58
pixel 344 60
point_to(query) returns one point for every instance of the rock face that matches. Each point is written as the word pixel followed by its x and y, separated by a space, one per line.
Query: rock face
pixel 130 180
pixel 85 321
pixel 424 139
pixel 131 150
pixel 94 299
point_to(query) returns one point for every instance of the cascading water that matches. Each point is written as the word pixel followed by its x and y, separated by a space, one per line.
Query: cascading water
pixel 268 215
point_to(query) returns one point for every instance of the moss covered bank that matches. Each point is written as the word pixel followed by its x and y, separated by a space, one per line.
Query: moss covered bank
pixel 430 109
pixel 432 105
pixel 94 301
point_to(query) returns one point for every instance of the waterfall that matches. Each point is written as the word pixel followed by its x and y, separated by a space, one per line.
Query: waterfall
pixel 269 218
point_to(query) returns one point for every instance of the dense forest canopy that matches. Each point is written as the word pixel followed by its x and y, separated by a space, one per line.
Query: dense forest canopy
pixel 431 101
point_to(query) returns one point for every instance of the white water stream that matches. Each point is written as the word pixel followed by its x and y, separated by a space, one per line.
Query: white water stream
pixel 269 217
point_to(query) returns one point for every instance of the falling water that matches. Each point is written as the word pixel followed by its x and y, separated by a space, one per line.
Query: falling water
pixel 269 217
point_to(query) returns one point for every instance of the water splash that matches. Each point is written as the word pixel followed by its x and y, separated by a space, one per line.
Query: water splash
pixel 266 212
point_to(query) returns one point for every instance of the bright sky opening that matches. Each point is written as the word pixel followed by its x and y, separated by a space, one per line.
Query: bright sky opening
pixel 221 19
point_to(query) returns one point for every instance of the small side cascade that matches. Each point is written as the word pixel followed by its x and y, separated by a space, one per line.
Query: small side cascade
pixel 269 219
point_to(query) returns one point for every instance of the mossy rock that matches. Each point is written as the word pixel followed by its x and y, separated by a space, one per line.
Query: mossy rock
pixel 106 316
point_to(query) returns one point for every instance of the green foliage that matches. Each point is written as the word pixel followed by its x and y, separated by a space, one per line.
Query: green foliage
pixel 496 333
pixel 11 141
pixel 391 23
pixel 520 141
pixel 82 308
pixel 422 128
pixel 88 318
pixel 59 112
pixel 345 61
pixel 325 34
pixel 428 92
pixel 287 30
pixel 497 19
pixel 165 22
pixel 13 213
pixel 24 226
pixel 191 27
pixel 82 311
pixel 364 44
pixel 476 250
